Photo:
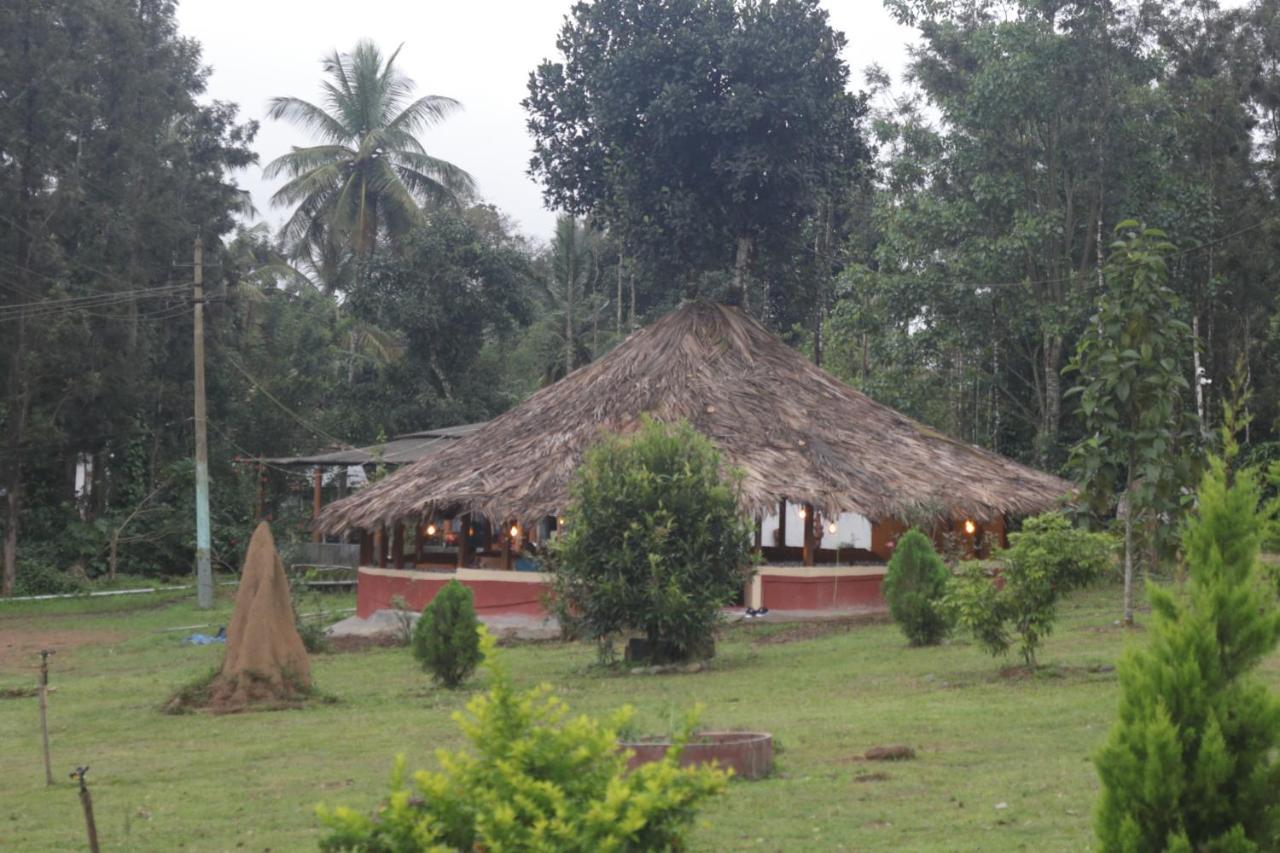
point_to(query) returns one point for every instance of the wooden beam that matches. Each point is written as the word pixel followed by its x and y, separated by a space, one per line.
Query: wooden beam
pixel 809 544
pixel 782 523
pixel 419 541
pixel 366 548
pixel 380 545
pixel 317 479
pixel 397 545
pixel 464 541
pixel 507 542
pixel 759 539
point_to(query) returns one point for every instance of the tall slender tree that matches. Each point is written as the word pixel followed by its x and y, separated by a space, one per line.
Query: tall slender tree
pixel 370 174
pixel 1130 388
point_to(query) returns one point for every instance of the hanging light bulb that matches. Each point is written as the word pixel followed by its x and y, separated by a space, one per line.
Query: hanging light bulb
pixel 800 511
pixel 431 529
pixel 969 527
pixel 560 521
pixel 832 528
pixel 515 531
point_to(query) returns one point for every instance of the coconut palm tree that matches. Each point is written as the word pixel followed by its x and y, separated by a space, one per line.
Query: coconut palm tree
pixel 370 175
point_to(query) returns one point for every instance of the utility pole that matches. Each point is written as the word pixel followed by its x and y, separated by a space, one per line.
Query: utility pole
pixel 204 572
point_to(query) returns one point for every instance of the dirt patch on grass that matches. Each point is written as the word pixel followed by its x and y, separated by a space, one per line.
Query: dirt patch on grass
pixel 360 644
pixel 802 631
pixel 1054 671
pixel 20 647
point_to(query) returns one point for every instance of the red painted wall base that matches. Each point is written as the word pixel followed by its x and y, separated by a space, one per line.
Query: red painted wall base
pixel 838 592
pixel 375 591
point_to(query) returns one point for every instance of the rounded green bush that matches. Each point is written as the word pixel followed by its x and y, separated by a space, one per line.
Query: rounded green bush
pixel 656 542
pixel 914 586
pixel 446 639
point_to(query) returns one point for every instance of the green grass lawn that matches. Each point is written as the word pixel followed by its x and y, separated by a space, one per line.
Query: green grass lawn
pixel 251 781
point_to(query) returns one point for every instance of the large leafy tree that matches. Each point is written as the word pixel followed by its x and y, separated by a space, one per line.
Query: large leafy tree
pixel 370 175
pixel 455 292
pixel 699 131
pixel 108 169
pixel 1033 153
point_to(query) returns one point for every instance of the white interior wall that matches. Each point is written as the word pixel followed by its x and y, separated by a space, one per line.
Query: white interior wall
pixel 852 530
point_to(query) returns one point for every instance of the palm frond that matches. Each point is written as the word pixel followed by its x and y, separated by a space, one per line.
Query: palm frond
pixel 458 182
pixel 302 160
pixel 425 112
pixel 308 115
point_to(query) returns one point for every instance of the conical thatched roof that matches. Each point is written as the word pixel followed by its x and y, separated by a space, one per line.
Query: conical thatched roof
pixel 797 433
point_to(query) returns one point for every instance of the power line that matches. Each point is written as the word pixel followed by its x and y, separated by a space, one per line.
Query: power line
pixel 288 411
pixel 47 307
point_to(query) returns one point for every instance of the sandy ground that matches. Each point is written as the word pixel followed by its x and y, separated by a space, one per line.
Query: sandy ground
pixel 20 645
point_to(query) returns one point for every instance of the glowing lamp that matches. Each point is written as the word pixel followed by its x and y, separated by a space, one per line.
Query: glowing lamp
pixel 800 511
pixel 560 521
pixel 431 530
pixel 832 528
pixel 969 527
pixel 515 531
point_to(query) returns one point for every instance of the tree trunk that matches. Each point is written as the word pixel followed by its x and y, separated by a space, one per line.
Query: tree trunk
pixel 568 321
pixel 1198 372
pixel 741 261
pixel 619 306
pixel 1129 511
pixel 631 322
pixel 1051 412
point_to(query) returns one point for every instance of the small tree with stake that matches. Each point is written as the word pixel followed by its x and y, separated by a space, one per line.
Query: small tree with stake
pixel 1193 763
pixel 1130 385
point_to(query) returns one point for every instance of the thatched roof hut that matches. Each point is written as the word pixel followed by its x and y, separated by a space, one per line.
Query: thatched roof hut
pixel 798 433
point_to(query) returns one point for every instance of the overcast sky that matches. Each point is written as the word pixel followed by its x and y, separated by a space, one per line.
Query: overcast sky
pixel 477 51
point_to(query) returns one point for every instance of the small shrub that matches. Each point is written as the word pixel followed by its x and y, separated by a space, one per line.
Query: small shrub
pixel 404 620
pixel 1048 559
pixel 37 577
pixel 1193 762
pixel 535 779
pixel 914 585
pixel 446 640
pixel 314 637
pixel 656 542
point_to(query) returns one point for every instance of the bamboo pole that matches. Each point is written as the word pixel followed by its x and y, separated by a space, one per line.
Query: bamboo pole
pixel 43 692
pixel 86 802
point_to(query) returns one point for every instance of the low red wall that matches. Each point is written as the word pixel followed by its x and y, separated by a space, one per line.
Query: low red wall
pixel 836 592
pixel 375 591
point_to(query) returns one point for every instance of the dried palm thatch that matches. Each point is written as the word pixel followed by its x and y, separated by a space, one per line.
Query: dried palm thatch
pixel 795 431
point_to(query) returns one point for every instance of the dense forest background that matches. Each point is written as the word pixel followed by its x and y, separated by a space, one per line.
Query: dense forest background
pixel 940 242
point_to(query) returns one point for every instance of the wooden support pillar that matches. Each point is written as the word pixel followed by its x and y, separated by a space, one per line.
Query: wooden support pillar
pixel 759 540
pixel 397 545
pixel 809 544
pixel 380 545
pixel 464 541
pixel 366 548
pixel 782 523
pixel 317 479
pixel 507 541
pixel 419 541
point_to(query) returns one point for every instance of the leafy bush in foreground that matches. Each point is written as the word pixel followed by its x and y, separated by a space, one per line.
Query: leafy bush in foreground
pixel 447 640
pixel 914 585
pixel 1192 762
pixel 535 779
pixel 1048 559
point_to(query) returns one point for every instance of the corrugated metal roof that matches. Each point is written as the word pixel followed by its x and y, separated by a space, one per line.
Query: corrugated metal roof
pixel 400 450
